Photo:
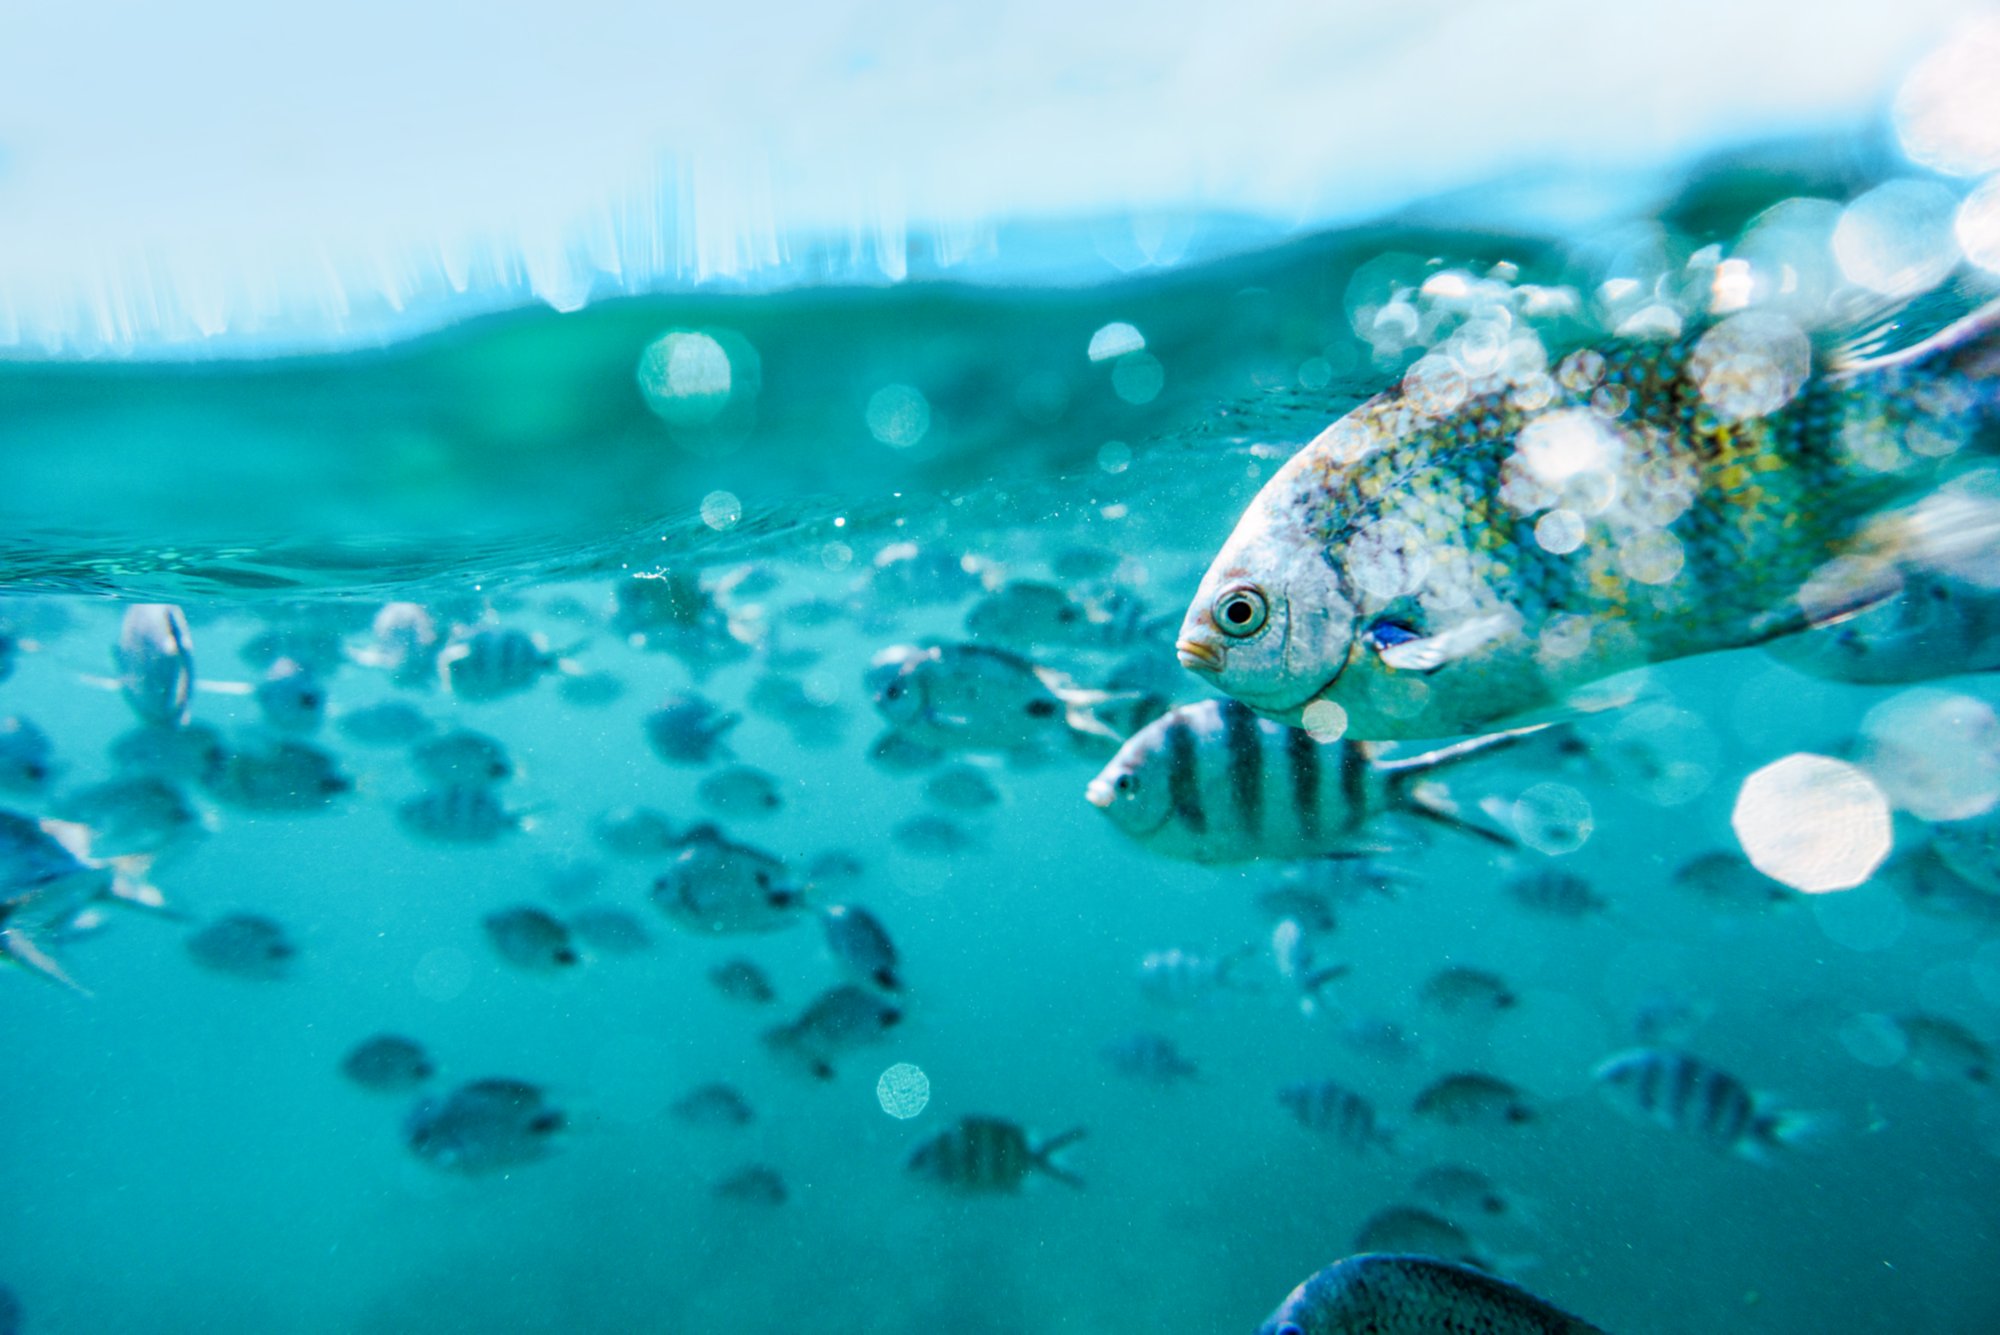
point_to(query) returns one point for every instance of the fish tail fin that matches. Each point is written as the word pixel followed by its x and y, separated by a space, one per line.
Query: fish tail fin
pixel 1777 1131
pixel 17 946
pixel 1431 803
pixel 130 886
pixel 1045 1156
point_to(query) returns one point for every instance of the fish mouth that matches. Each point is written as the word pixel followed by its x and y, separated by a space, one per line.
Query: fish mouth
pixel 1099 794
pixel 1198 655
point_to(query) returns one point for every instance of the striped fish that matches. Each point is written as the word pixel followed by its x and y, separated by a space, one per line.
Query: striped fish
pixel 1556 892
pixel 1473 1099
pixel 980 1156
pixel 155 660
pixel 1336 1112
pixel 1682 1093
pixel 1213 782
pixel 494 662
pixel 457 814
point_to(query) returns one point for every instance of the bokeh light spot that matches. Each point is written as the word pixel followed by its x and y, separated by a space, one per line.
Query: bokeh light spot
pixel 685 377
pixel 898 416
pixel 1812 822
pixel 903 1090
pixel 1115 340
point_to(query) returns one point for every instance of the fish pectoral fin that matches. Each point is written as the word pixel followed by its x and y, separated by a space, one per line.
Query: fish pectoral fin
pixel 1431 803
pixel 1432 652
pixel 17 946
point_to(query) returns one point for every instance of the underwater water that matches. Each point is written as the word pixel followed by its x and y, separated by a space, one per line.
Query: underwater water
pixel 744 499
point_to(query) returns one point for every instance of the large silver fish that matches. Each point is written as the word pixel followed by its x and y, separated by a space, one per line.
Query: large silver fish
pixel 1468 550
pixel 1415 1295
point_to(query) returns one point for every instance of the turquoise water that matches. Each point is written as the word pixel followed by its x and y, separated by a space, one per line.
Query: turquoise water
pixel 187 1155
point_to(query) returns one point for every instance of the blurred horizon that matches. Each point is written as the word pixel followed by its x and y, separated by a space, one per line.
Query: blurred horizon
pixel 238 181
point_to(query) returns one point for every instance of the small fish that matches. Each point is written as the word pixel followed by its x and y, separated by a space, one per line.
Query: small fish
pixel 27 757
pixel 243 945
pixel 1415 1295
pixel 969 697
pixel 979 1156
pixel 836 1022
pixel 462 758
pixel 930 835
pixel 860 945
pixel 131 816
pixel 291 699
pixel 1473 1100
pixel 405 643
pixel 1555 892
pixel 961 787
pixel 1149 1058
pixel 1412 1230
pixel 1475 548
pixel 1727 883
pixel 756 1184
pixel 193 754
pixel 1338 1113
pixel 1181 978
pixel 1681 1093
pixel 528 938
pixel 688 730
pixel 635 832
pixel 1464 1192
pixel 1378 1038
pixel 482 1127
pixel 740 980
pixel 280 775
pixel 713 1106
pixel 610 931
pixel 741 791
pixel 386 723
pixel 388 1064
pixel 1938 1048
pixel 1025 614
pixel 1461 989
pixel 494 662
pixel 458 814
pixel 1211 782
pixel 154 659
pixel 716 886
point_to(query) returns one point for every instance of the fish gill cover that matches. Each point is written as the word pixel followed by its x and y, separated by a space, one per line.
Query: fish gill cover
pixel 590 725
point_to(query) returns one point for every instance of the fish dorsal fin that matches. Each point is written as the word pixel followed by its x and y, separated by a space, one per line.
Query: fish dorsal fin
pixel 16 945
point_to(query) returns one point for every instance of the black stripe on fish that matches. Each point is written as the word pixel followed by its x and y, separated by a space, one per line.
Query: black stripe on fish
pixel 1246 765
pixel 1184 776
pixel 1353 786
pixel 1302 757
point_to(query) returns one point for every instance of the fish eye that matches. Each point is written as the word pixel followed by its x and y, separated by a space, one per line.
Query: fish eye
pixel 1241 611
pixel 893 691
pixel 1124 784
